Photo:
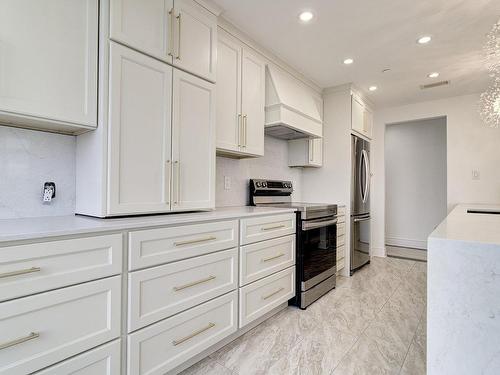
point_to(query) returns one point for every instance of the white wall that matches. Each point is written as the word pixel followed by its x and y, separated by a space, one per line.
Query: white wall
pixel 28 159
pixel 415 181
pixel 273 165
pixel 471 145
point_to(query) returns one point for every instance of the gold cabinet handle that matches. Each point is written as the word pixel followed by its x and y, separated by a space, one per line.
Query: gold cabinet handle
pixel 194 334
pixel 273 293
pixel 20 272
pixel 194 283
pixel 31 336
pixel 245 122
pixel 178 57
pixel 177 168
pixel 198 240
pixel 171 36
pixel 273 227
pixel 168 176
pixel 273 257
pixel 240 126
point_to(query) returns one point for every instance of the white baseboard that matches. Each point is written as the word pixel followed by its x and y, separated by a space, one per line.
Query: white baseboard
pixel 378 252
pixel 406 242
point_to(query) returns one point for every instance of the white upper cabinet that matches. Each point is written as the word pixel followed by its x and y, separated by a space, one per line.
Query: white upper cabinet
pixel 48 64
pixel 305 153
pixel 181 33
pixel 361 117
pixel 140 133
pixel 240 99
pixel 145 25
pixel 195 39
pixel 193 143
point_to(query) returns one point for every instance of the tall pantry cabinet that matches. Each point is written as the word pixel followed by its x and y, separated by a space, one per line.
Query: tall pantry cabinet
pixel 154 148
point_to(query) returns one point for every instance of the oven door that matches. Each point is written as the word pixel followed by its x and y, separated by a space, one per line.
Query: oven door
pixel 318 251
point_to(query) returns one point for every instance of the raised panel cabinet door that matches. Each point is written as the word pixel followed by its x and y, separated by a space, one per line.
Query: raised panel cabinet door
pixel 357 115
pixel 228 94
pixel 195 39
pixel 147 26
pixel 193 142
pixel 252 103
pixel 140 90
pixel 48 60
pixel 368 123
pixel 316 152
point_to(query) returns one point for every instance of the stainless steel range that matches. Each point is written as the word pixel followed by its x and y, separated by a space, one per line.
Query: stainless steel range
pixel 316 238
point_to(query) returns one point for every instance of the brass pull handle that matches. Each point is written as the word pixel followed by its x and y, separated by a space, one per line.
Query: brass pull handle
pixel 245 122
pixel 273 227
pixel 194 283
pixel 20 272
pixel 198 240
pixel 196 333
pixel 177 167
pixel 31 336
pixel 273 257
pixel 168 174
pixel 178 57
pixel 171 36
pixel 240 127
pixel 273 293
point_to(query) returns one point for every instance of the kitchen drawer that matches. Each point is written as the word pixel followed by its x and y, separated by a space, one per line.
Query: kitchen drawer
pixel 262 259
pixel 156 246
pixel 340 252
pixel 340 229
pixel 340 241
pixel 40 330
pixel 341 211
pixel 158 348
pixel 104 360
pixel 33 268
pixel 341 219
pixel 266 227
pixel 262 296
pixel 340 265
pixel 159 292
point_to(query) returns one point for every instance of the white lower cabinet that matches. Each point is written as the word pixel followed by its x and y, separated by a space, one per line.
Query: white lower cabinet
pixel 266 227
pixel 104 360
pixel 262 296
pixel 40 330
pixel 158 348
pixel 160 292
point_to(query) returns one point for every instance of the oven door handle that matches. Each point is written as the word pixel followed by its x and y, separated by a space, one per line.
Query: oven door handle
pixel 307 225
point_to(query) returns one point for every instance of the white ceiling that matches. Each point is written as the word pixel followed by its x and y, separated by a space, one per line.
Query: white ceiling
pixel 377 34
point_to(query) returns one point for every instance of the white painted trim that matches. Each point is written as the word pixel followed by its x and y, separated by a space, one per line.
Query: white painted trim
pixel 210 6
pixel 380 252
pixel 406 242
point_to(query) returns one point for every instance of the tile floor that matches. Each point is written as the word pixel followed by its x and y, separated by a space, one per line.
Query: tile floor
pixel 372 323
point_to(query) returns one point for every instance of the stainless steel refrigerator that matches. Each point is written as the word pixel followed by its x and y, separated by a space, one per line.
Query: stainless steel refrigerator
pixel 360 203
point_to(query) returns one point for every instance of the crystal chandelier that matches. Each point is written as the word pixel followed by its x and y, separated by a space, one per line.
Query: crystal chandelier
pixel 489 103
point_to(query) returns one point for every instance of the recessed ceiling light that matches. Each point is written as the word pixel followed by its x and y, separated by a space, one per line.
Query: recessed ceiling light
pixel 433 75
pixel 424 39
pixel 306 16
pixel 372 88
pixel 348 61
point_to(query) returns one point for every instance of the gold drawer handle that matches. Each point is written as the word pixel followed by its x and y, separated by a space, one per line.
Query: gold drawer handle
pixel 274 227
pixel 31 336
pixel 272 258
pixel 185 286
pixel 273 293
pixel 194 334
pixel 20 272
pixel 189 242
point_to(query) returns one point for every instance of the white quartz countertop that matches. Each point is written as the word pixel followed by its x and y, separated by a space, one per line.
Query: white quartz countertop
pixel 53 226
pixel 470 227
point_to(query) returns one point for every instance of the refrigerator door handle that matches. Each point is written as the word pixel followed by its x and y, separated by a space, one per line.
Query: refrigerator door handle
pixel 367 176
pixel 361 166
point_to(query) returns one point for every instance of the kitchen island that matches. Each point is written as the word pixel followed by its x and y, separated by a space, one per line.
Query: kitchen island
pixel 463 288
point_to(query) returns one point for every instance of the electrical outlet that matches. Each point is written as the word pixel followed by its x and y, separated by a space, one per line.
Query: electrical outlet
pixel 49 191
pixel 227 183
pixel 476 175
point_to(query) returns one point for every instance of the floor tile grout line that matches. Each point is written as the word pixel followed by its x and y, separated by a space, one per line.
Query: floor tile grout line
pixel 411 343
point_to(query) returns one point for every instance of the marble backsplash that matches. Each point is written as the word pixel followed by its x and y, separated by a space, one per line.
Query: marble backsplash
pixel 273 165
pixel 28 159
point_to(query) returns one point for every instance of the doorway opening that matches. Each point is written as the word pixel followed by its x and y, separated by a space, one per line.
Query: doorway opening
pixel 415 185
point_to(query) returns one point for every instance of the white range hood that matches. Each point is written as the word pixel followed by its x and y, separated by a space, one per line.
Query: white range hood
pixel 293 110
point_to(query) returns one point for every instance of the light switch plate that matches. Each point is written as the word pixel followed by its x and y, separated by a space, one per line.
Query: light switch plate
pixel 227 183
pixel 476 175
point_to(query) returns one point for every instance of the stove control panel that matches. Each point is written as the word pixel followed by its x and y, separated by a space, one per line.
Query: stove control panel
pixel 271 185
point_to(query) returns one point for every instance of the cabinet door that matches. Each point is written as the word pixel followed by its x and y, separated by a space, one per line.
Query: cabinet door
pixel 140 90
pixel 253 102
pixel 357 115
pixel 195 39
pixel 144 25
pixel 316 152
pixel 193 142
pixel 228 94
pixel 48 60
pixel 367 123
